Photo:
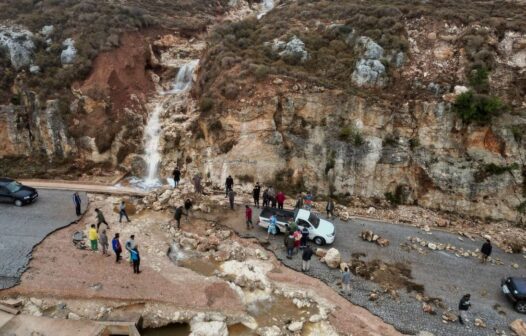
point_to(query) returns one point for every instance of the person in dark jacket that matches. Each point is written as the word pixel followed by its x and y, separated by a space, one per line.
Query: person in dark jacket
pixel 117 248
pixel 299 202
pixel 486 250
pixel 304 236
pixel 229 183
pixel 122 212
pixel 177 215
pixel 177 176
pixel 255 193
pixel 330 208
pixel 197 184
pixel 231 196
pixel 272 196
pixel 463 307
pixel 136 260
pixel 101 219
pixel 306 256
pixel 187 207
pixel 289 244
pixel 266 199
pixel 77 201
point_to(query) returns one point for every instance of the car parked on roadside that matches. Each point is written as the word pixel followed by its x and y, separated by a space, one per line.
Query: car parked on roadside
pixel 515 289
pixel 12 191
pixel 321 231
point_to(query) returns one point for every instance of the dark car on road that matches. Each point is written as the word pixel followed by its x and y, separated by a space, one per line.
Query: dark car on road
pixel 12 191
pixel 515 290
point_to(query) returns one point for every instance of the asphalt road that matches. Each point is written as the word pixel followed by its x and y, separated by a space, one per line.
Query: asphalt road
pixel 443 275
pixel 23 228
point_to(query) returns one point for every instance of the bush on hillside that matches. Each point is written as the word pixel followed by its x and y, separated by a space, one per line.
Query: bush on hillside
pixel 477 108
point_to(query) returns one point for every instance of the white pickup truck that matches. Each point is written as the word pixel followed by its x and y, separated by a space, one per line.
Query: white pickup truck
pixel 320 231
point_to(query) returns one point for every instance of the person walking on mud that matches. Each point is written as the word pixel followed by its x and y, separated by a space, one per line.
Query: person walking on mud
pixel 117 248
pixel 178 215
pixel 101 219
pixel 272 196
pixel 306 256
pixel 280 198
pixel 486 250
pixel 346 281
pixel 177 176
pixel 266 199
pixel 77 201
pixel 122 212
pixel 103 240
pixel 255 193
pixel 248 216
pixel 130 245
pixel 187 207
pixel 229 184
pixel 299 202
pixel 231 196
pixel 272 227
pixel 197 184
pixel 136 260
pixel 93 237
pixel 289 244
pixel 463 307
pixel 330 208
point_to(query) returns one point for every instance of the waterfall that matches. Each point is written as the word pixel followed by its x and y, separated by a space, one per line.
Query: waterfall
pixel 267 6
pixel 152 132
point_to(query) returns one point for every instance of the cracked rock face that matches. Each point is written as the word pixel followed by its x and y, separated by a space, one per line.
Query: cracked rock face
pixel 369 73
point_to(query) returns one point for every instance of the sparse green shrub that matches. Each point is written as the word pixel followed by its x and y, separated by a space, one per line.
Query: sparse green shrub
pixel 478 79
pixel 206 104
pixel 261 72
pixel 478 108
pixel 493 169
pixel 230 91
pixel 414 143
pixel 522 208
pixel 389 141
pixel 392 198
pixel 351 135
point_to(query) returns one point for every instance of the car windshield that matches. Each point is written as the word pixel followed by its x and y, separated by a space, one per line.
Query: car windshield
pixel 314 220
pixel 13 186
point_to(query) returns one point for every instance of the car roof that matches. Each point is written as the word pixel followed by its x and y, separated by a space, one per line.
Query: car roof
pixel 5 180
pixel 520 284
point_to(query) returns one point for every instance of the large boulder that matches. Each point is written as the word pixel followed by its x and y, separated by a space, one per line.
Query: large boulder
pixel 291 52
pixel 69 53
pixel 519 327
pixel 332 258
pixel 369 73
pixel 212 328
pixel 19 44
pixel 368 48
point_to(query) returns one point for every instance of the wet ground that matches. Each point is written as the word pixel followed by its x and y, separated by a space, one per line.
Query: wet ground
pixel 24 227
pixel 442 274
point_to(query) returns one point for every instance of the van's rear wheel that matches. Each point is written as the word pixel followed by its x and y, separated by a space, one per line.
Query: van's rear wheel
pixel 319 241
pixel 18 203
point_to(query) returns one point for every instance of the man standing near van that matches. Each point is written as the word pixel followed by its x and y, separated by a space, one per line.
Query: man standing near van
pixel 77 201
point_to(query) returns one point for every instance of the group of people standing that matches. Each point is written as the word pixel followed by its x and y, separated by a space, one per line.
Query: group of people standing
pixel 98 235
pixel 271 198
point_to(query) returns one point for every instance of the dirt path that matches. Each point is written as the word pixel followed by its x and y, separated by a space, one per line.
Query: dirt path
pixel 84 186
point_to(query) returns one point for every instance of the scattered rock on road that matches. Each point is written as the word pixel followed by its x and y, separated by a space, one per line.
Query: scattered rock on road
pixel 321 252
pixel 370 236
pixel 332 258
pixel 519 327
pixel 480 323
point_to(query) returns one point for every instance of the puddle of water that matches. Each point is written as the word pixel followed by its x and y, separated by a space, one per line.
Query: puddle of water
pixel 130 209
pixel 202 266
pixel 176 329
pixel 278 311
pixel 240 330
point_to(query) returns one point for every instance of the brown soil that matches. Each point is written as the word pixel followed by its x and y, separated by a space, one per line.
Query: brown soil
pixel 117 75
pixel 60 270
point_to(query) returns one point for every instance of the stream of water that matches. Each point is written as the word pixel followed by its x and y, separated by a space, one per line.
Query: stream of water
pixel 152 132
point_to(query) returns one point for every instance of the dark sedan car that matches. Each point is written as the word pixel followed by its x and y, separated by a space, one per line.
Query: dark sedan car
pixel 13 192
pixel 515 290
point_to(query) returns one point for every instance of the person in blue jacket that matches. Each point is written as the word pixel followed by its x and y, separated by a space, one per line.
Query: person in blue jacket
pixel 136 260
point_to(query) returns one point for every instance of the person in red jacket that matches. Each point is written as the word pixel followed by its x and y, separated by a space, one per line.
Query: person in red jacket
pixel 248 215
pixel 280 197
